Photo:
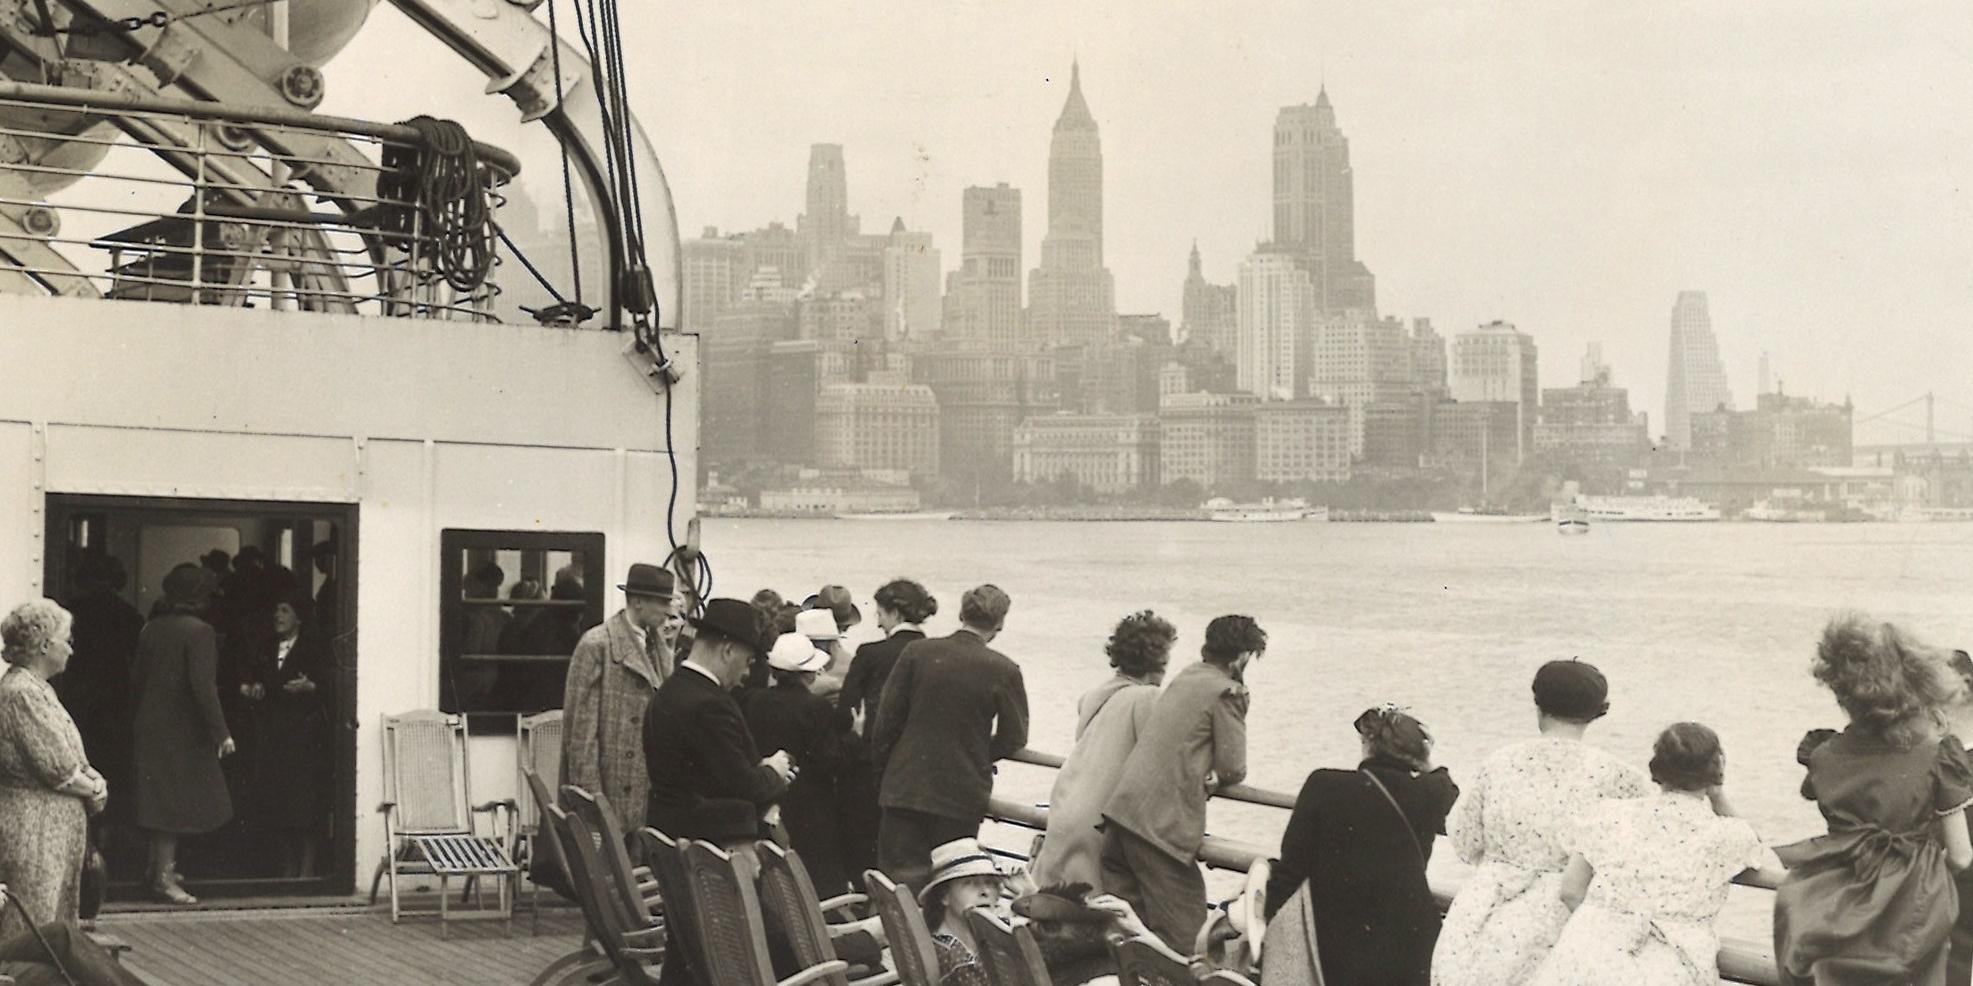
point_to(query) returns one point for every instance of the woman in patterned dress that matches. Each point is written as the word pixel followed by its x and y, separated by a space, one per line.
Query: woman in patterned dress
pixel 1648 875
pixel 47 788
pixel 964 877
pixel 1512 825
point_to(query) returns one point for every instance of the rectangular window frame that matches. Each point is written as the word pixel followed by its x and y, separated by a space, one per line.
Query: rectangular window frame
pixel 454 543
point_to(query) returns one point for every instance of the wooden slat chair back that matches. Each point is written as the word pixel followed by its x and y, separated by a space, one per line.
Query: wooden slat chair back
pixel 787 896
pixel 587 962
pixel 1009 953
pixel 429 815
pixel 912 953
pixel 667 861
pixel 1226 977
pixel 1146 961
pixel 633 951
pixel 597 813
pixel 731 930
pixel 544 850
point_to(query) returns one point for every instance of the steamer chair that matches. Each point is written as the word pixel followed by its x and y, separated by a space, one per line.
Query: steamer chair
pixel 635 953
pixel 787 897
pixel 1146 961
pixel 727 911
pixel 429 817
pixel 1009 952
pixel 538 754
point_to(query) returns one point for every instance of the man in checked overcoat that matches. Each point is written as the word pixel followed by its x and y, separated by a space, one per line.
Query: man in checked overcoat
pixel 617 668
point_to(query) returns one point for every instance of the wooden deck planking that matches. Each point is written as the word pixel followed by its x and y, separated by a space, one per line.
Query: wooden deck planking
pixel 341 947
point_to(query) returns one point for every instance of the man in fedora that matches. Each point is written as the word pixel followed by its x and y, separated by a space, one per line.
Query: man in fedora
pixel 616 669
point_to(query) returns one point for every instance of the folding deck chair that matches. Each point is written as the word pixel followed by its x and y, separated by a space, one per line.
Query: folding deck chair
pixel 1009 953
pixel 917 961
pixel 537 751
pixel 731 930
pixel 1146 961
pixel 429 816
pixel 787 899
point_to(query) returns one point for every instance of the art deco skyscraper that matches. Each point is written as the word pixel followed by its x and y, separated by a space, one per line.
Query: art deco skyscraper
pixel 1277 310
pixel 826 225
pixel 1315 205
pixel 983 297
pixel 1209 312
pixel 1695 380
pixel 1071 295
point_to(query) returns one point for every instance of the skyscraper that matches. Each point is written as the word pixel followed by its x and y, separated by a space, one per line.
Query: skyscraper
pixel 1695 381
pixel 1277 316
pixel 1315 204
pixel 1071 295
pixel 1209 314
pixel 983 297
pixel 1497 363
pixel 825 225
pixel 911 286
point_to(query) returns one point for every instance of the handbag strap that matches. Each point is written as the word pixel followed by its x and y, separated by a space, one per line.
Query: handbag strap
pixel 1377 782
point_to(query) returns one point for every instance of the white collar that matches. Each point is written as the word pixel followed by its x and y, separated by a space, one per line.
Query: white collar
pixel 900 628
pixel 696 666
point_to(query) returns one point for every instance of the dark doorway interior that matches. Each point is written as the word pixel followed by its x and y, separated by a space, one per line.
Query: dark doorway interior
pixel 284 616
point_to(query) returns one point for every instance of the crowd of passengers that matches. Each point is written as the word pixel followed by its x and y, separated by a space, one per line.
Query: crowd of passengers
pixel 751 721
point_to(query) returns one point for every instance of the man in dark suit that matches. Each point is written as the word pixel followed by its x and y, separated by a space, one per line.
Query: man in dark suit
pixel 951 707
pixel 707 779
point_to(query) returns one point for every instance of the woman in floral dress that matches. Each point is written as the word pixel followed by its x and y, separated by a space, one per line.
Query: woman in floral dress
pixel 47 788
pixel 1649 875
pixel 1873 900
pixel 1512 825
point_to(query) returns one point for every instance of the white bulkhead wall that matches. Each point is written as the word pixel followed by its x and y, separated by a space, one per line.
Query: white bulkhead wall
pixel 425 425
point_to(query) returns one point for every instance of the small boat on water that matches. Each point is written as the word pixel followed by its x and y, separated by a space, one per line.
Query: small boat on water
pixel 899 515
pixel 1656 509
pixel 1265 512
pixel 1570 518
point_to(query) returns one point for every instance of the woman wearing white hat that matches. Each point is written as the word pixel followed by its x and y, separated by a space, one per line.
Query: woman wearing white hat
pixel 964 877
pixel 789 716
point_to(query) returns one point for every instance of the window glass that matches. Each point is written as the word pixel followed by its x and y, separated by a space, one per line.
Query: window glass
pixel 513 606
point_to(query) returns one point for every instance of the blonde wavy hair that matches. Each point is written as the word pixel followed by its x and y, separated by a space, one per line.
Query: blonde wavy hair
pixel 1891 685
pixel 27 632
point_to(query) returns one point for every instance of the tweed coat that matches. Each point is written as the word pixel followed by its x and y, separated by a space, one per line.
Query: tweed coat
pixel 610 685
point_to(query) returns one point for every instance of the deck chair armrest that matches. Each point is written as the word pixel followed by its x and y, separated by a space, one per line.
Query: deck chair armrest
pixel 507 803
pixel 641 935
pixel 841 901
pixel 813 973
pixel 885 978
pixel 872 926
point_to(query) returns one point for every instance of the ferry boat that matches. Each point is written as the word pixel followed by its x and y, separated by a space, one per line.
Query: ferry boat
pixel 232 332
pixel 900 515
pixel 1660 509
pixel 1472 515
pixel 1570 518
pixel 1265 512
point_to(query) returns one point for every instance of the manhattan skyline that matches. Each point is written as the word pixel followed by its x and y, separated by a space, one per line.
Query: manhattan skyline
pixel 1564 170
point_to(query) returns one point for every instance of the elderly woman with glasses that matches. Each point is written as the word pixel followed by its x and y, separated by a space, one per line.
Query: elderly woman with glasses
pixel 47 788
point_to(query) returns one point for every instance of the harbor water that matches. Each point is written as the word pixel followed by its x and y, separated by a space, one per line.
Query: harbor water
pixel 1709 622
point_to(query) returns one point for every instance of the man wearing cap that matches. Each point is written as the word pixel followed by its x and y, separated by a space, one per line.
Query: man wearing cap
pixel 616 669
pixel 951 708
pixel 707 777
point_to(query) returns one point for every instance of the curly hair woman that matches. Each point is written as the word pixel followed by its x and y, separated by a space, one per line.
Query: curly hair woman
pixel 1872 901
pixel 1108 719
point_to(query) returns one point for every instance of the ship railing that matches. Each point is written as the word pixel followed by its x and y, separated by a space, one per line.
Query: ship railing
pixel 1739 961
pixel 153 198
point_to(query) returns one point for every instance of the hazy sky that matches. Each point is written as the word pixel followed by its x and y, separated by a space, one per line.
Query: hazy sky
pixel 1567 167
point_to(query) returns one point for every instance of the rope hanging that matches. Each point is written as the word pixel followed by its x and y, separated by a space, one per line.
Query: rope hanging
pixel 439 180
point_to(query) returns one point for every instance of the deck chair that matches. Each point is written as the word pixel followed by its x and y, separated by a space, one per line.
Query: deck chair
pixel 1009 953
pixel 544 860
pixel 787 897
pixel 638 901
pixel 910 941
pixel 588 962
pixel 1146 961
pixel 731 931
pixel 537 751
pixel 429 817
pixel 667 859
pixel 633 952
pixel 1226 977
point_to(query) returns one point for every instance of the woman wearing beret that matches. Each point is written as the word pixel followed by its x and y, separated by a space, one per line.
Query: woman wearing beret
pixel 1513 826
pixel 1359 841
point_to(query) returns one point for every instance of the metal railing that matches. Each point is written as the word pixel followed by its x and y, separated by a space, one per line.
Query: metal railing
pixel 1739 961
pixel 126 195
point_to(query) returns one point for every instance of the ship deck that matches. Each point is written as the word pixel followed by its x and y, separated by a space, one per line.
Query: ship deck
pixel 343 946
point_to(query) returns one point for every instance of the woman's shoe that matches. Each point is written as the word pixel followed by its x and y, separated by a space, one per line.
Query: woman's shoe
pixel 172 894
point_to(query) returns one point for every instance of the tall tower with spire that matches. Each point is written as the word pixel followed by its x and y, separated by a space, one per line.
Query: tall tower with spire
pixel 1071 295
pixel 825 226
pixel 1315 205
pixel 1209 313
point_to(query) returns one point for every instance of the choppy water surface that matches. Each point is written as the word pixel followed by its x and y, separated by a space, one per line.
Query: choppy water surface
pixel 1709 622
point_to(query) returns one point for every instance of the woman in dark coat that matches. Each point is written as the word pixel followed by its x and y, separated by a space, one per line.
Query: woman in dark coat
pixel 285 689
pixel 787 716
pixel 180 732
pixel 902 608
pixel 1359 841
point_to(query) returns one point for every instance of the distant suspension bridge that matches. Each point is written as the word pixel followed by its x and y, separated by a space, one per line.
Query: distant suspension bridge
pixel 1917 421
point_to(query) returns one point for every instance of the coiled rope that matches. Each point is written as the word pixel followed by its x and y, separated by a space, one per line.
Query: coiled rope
pixel 439 180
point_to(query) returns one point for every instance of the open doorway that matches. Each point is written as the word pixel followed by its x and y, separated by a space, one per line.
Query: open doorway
pixel 282 609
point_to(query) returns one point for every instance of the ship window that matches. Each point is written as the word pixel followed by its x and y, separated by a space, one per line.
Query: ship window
pixel 512 606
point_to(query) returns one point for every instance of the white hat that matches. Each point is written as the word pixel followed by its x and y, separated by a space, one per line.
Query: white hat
pixel 817 624
pixel 957 860
pixel 794 652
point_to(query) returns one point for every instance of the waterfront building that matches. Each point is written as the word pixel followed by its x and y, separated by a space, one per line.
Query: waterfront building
pixel 878 425
pixel 826 492
pixel 1591 422
pixel 1395 433
pixel 1356 359
pixel 1315 205
pixel 1071 295
pixel 1209 313
pixel 825 225
pixel 736 369
pixel 1780 432
pixel 982 398
pixel 1277 308
pixel 1471 435
pixel 1109 453
pixel 983 297
pixel 1695 379
pixel 1497 363
pixel 1208 439
pixel 716 271
pixel 797 372
pixel 912 303
pixel 1303 440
